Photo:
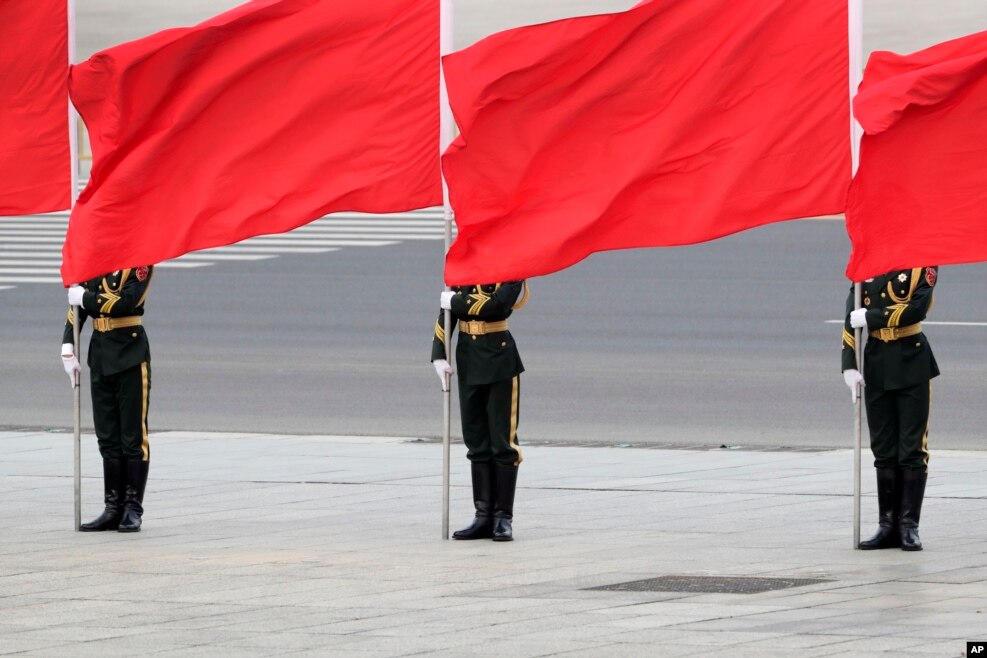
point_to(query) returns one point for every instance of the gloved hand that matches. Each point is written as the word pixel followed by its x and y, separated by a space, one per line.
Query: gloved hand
pixel 858 318
pixel 855 381
pixel 445 300
pixel 71 364
pixel 75 295
pixel 444 371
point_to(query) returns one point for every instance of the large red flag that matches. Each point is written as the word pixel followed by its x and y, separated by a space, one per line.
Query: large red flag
pixel 920 194
pixel 671 123
pixel 256 121
pixel 35 163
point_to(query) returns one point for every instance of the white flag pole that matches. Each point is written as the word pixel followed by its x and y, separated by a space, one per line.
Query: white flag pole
pixel 856 27
pixel 446 131
pixel 74 177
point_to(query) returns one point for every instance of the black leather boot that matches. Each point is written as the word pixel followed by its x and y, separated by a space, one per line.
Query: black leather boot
pixel 113 484
pixel 912 494
pixel 505 483
pixel 888 499
pixel 483 485
pixel 133 499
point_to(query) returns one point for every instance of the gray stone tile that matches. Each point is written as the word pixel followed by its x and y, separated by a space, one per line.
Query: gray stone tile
pixel 314 546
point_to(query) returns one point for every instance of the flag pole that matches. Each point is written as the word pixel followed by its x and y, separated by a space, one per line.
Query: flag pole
pixel 74 194
pixel 856 27
pixel 446 130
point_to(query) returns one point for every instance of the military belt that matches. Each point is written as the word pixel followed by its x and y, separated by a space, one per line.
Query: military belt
pixel 479 327
pixel 109 324
pixel 889 334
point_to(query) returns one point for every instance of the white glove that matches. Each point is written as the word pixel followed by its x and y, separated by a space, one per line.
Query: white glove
pixel 444 371
pixel 445 300
pixel 75 295
pixel 854 380
pixel 71 364
pixel 858 318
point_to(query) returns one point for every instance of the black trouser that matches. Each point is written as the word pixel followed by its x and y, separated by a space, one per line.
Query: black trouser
pixel 120 404
pixel 899 426
pixel 490 416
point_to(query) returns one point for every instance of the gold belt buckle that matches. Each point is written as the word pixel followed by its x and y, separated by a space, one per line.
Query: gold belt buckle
pixel 889 334
pixel 100 324
pixel 476 327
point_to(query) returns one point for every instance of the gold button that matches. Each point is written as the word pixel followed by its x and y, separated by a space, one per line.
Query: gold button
pixel 474 337
pixel 503 344
pixel 134 335
pixel 918 344
pixel 867 301
pixel 883 295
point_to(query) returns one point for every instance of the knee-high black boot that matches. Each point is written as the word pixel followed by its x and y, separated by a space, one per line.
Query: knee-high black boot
pixel 483 486
pixel 113 484
pixel 133 502
pixel 888 499
pixel 912 494
pixel 505 483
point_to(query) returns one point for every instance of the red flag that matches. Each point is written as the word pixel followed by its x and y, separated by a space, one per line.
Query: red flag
pixel 35 162
pixel 256 121
pixel 920 194
pixel 671 123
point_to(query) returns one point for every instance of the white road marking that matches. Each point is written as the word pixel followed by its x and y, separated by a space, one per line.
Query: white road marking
pixel 27 270
pixel 933 322
pixel 177 265
pixel 318 242
pixel 30 279
pixel 226 257
pixel 53 248
pixel 55 262
pixel 31 247
pixel 245 248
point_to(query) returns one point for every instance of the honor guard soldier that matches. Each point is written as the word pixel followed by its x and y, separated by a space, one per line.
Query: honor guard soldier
pixel 489 395
pixel 120 378
pixel 898 372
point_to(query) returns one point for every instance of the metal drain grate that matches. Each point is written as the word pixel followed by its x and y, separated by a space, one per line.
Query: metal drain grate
pixel 709 584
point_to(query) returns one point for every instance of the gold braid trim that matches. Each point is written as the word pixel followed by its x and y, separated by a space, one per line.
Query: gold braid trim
pixel 524 298
pixel 895 318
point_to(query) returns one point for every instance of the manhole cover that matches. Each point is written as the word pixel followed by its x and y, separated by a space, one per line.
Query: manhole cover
pixel 709 584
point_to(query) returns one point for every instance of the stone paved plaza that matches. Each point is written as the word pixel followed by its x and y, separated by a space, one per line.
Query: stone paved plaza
pixel 260 545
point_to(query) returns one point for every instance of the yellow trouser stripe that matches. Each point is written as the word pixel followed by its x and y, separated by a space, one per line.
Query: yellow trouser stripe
pixel 925 436
pixel 515 390
pixel 146 389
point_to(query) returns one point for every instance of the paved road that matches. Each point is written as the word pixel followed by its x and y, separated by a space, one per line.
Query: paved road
pixel 721 343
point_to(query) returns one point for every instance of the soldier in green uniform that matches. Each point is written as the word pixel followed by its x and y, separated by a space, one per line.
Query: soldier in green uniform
pixel 489 395
pixel 898 372
pixel 120 378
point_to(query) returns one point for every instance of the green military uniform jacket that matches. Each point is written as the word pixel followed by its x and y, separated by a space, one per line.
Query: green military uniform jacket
pixel 117 295
pixel 491 357
pixel 896 303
